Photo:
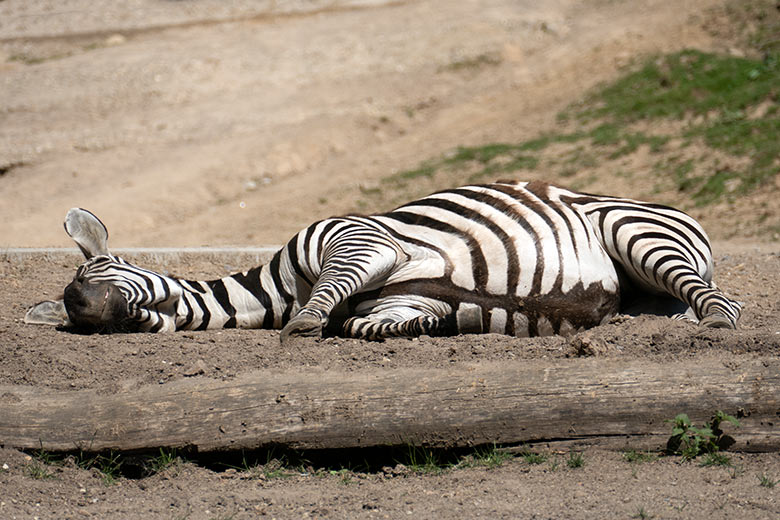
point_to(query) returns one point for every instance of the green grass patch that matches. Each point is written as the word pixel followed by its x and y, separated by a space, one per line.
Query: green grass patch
pixel 533 458
pixel 719 103
pixel 680 84
pixel 715 459
pixel 39 471
pixel 766 481
pixel 487 456
pixel 108 464
pixel 575 460
pixel 639 457
pixel 428 461
pixel 408 175
pixel 730 103
pixel 167 458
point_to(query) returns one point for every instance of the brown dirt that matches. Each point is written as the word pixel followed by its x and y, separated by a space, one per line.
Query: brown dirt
pixel 607 485
pixel 188 123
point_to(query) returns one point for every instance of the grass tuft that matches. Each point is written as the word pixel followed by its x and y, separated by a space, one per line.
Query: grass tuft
pixel 575 460
pixel 766 481
pixel 690 108
pixel 639 457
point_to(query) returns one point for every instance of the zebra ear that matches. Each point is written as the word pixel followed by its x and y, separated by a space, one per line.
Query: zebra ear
pixel 47 313
pixel 87 231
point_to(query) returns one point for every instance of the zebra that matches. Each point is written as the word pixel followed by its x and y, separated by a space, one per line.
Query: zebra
pixel 516 258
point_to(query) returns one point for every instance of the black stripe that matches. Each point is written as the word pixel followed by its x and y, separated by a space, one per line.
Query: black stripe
pixel 478 262
pixel 222 297
pixel 292 252
pixel 520 196
pixel 288 298
pixel 188 318
pixel 204 324
pixel 513 267
pixel 481 273
pixel 251 282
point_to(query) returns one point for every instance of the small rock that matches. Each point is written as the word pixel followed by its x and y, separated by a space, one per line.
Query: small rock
pixel 197 368
pixel 587 345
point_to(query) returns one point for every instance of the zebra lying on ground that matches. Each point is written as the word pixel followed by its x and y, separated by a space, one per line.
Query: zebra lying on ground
pixel 523 259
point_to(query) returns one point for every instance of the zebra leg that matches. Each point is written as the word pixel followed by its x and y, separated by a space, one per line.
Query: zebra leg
pixel 409 322
pixel 352 260
pixel 375 327
pixel 665 250
pixel 713 309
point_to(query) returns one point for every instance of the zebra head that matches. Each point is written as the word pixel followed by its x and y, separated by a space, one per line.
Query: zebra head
pixel 107 293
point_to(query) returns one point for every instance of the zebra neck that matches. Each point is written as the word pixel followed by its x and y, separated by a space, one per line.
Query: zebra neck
pixel 258 298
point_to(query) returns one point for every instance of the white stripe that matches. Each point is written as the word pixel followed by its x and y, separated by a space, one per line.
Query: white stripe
pixel 498 320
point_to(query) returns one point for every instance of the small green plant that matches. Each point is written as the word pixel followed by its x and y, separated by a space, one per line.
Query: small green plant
pixel 39 467
pixel 45 457
pixel 39 470
pixel 345 475
pixel 424 460
pixel 251 470
pixel 766 481
pixel 642 514
pixel 276 469
pixel 715 459
pixel 530 457
pixel 575 460
pixel 690 441
pixel 638 457
pixel 487 456
pixel 163 461
pixel 108 465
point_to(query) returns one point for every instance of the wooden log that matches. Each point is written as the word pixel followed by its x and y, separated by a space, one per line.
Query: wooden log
pixel 595 401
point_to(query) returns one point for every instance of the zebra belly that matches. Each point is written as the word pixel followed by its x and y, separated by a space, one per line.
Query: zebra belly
pixel 476 311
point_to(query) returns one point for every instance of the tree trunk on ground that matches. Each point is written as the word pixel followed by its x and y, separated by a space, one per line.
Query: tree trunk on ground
pixel 612 403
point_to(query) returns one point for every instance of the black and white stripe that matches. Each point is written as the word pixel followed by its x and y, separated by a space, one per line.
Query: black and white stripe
pixel 513 258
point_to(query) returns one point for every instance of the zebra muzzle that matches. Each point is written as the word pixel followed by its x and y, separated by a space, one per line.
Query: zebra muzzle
pixel 91 305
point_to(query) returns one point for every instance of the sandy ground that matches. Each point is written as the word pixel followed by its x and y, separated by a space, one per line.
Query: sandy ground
pixel 185 123
pixel 192 131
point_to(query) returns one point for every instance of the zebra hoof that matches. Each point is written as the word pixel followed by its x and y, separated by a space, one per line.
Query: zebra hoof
pixel 301 326
pixel 716 321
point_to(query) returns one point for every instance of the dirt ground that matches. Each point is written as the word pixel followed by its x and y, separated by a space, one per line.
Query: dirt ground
pixel 179 129
pixel 607 486
pixel 185 123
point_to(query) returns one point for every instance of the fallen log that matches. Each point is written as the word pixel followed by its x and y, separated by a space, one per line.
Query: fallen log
pixel 596 401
